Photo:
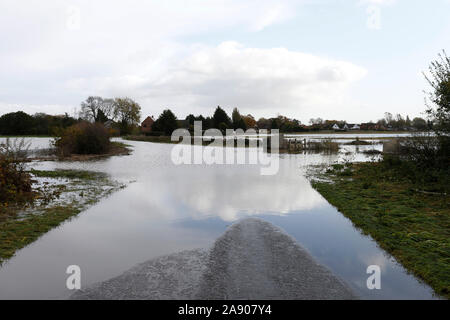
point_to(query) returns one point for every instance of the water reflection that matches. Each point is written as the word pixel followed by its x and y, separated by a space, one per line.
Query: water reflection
pixel 169 208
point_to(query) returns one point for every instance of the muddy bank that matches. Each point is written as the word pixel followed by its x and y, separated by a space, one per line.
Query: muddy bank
pixel 252 260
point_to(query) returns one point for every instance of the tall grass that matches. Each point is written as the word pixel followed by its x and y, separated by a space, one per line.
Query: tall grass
pixel 325 145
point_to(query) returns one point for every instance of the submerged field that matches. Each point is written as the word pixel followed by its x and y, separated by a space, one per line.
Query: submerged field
pixel 405 219
pixel 168 208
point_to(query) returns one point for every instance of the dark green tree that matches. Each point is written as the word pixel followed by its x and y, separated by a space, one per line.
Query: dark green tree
pixel 190 119
pixel 420 124
pixel 16 123
pixel 101 117
pixel 166 122
pixel 238 121
pixel 221 119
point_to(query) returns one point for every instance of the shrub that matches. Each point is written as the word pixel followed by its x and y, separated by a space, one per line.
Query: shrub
pixel 427 151
pixel 424 170
pixel 15 183
pixel 83 138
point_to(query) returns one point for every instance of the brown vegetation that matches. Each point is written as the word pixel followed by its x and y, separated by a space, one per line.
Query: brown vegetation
pixel 83 139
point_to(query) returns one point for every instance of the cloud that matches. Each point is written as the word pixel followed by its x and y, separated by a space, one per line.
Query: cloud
pixel 377 2
pixel 135 50
pixel 258 80
pixel 47 49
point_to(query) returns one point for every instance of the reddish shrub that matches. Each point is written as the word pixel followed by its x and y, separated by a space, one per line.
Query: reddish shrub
pixel 83 138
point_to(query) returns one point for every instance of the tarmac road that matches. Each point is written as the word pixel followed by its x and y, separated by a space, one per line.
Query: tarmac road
pixel 253 259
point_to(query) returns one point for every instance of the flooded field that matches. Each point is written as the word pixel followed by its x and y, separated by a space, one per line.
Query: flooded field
pixel 166 209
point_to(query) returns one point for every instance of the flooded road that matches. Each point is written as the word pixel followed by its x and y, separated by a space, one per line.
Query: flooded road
pixel 167 209
pixel 253 260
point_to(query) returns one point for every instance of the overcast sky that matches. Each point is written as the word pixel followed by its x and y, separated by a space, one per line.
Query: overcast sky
pixel 335 59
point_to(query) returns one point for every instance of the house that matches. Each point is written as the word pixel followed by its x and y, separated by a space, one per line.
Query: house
pixel 368 126
pixel 336 127
pixel 146 125
pixel 354 126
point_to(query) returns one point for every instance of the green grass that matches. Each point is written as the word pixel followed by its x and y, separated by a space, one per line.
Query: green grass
pixel 411 225
pixel 120 144
pixel 68 174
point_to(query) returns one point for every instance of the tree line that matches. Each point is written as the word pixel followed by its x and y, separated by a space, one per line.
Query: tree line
pixel 21 123
pixel 121 115
pixel 167 122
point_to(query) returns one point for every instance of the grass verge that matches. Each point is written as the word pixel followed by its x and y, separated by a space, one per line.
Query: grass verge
pixel 412 225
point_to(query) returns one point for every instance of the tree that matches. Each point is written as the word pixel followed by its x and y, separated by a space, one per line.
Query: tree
pixel 400 122
pixel 263 123
pixel 221 117
pixel 190 119
pixel 101 117
pixel 419 124
pixel 127 112
pixel 275 123
pixel 235 117
pixel 438 100
pixel 241 124
pixel 166 122
pixel 389 118
pixel 208 123
pixel 16 123
pixel 238 121
pixel 97 109
pixel 408 121
pixel 250 122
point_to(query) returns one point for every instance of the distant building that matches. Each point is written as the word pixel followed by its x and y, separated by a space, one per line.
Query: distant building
pixel 354 126
pixel 368 126
pixel 146 125
pixel 336 127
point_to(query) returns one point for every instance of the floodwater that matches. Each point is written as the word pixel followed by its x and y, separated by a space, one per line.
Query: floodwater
pixel 167 208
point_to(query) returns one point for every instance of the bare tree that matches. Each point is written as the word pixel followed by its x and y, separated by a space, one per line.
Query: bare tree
pixel 438 100
pixel 97 109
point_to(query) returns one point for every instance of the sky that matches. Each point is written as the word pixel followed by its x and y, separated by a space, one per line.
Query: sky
pixel 348 60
